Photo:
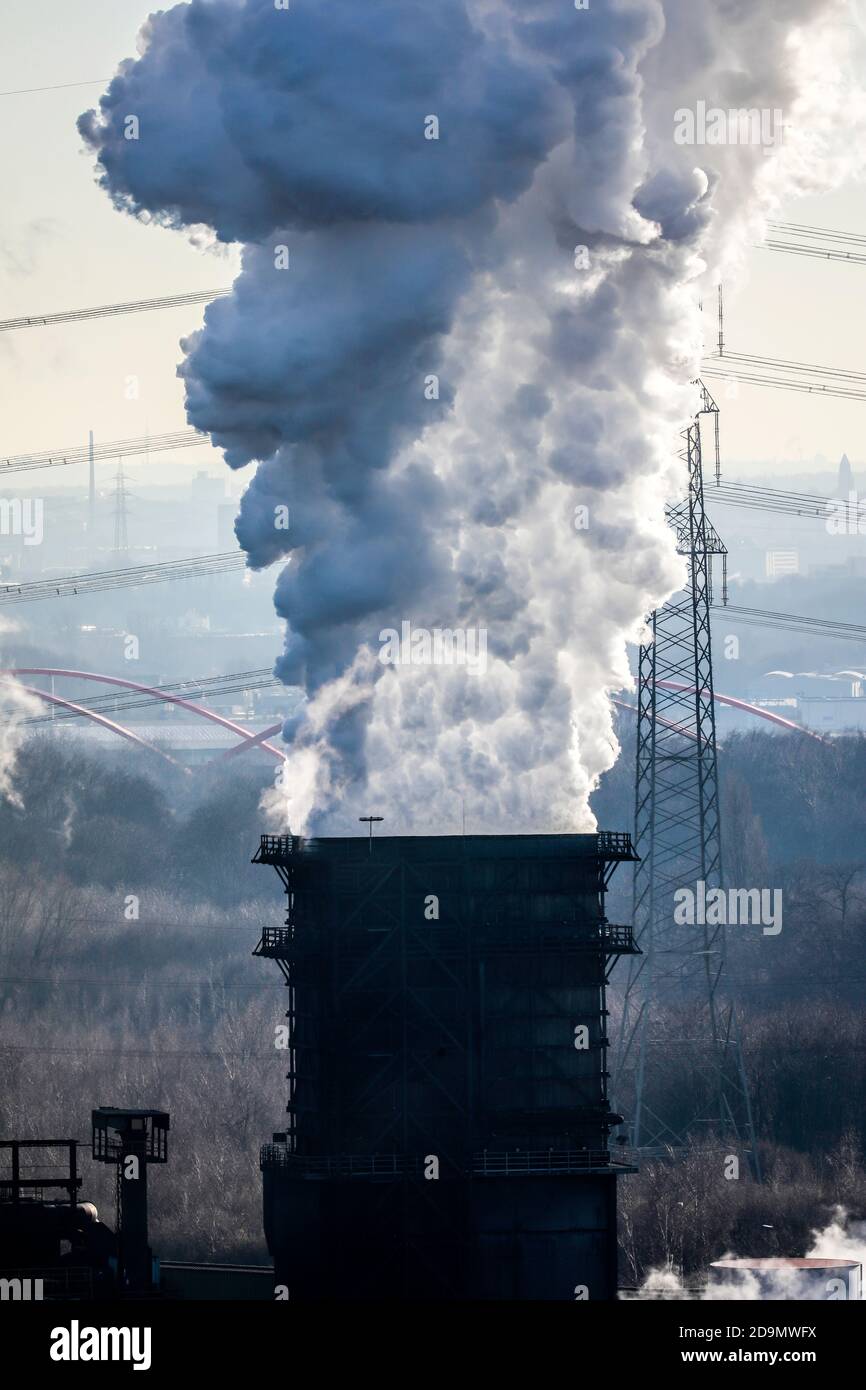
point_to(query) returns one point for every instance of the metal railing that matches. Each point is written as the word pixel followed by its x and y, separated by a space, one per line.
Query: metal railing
pixel 275 939
pixel 504 1163
pixel 607 937
pixel 340 1165
pixel 487 1163
pixel 620 937
pixel 615 844
pixel 275 847
pixel 604 938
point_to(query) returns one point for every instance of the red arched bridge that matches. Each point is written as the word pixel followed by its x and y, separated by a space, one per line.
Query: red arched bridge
pixel 191 706
pixel 248 740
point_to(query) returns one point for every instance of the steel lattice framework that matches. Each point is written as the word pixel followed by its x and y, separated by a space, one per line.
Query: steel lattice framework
pixel 474 1038
pixel 677 835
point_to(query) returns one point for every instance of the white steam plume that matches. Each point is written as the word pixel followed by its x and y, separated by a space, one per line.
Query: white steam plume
pixel 563 375
pixel 16 705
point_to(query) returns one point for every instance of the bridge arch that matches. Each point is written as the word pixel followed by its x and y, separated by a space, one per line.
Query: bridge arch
pixel 194 708
pixel 100 719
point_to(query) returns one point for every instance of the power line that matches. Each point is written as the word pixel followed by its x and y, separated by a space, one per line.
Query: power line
pixel 64 981
pixel 118 448
pixel 799 239
pixel 820 243
pixel 103 311
pixel 794 622
pixel 770 499
pixel 780 384
pixel 782 364
pixel 57 87
pixel 147 924
pixel 236 683
pixel 108 704
pixel 114 1052
pixel 195 567
pixel 821 253
pixel 807 229
pixel 787 982
pixel 58 981
pixel 779 374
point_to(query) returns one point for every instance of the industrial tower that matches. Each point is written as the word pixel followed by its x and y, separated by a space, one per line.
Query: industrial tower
pixel 681 971
pixel 448 1115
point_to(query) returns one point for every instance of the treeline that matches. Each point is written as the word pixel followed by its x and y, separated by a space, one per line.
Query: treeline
pixel 679 1215
pixel 134 824
pixel 786 798
pixel 128 914
pixel 793 819
pixel 158 1002
pixel 169 1010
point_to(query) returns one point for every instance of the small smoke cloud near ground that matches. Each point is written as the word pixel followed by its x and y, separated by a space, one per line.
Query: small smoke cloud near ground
pixel 459 350
pixel 842 1239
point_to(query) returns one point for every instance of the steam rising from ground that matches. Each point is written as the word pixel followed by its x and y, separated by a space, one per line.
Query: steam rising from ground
pixel 841 1239
pixel 476 335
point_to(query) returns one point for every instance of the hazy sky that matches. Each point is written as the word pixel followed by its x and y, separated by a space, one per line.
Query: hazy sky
pixel 63 246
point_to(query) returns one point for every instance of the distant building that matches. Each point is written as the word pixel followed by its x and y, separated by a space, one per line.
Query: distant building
pixel 745 558
pixel 845 482
pixel 207 489
pixel 833 714
pixel 226 538
pixel 190 743
pixel 781 562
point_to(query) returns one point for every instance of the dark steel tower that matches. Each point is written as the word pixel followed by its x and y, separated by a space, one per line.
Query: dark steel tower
pixel 448 1117
pixel 677 836
pixel 131 1140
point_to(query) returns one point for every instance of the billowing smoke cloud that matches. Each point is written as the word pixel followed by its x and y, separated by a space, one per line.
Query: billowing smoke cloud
pixel 459 347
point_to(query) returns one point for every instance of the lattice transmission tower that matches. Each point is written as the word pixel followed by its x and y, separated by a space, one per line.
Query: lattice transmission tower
pixel 676 1007
pixel 121 501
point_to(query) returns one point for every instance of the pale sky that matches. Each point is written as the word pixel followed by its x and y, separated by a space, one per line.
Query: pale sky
pixel 802 310
pixel 63 246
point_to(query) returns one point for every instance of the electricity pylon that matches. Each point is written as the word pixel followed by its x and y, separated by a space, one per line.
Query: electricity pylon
pixel 121 498
pixel 680 977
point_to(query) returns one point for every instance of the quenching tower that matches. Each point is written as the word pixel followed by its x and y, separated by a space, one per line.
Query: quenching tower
pixel 446 1038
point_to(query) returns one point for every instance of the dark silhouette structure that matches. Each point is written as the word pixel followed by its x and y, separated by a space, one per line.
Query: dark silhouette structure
pixel 131 1140
pixel 448 1118
pixel 52 1246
